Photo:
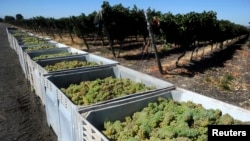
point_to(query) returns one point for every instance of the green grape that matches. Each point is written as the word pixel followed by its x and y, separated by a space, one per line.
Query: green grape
pixel 69 65
pixel 184 121
pixel 32 48
pixel 45 56
pixel 105 89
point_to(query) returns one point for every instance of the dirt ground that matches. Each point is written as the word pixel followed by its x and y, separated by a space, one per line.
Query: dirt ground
pixel 22 116
pixel 205 74
pixel 222 74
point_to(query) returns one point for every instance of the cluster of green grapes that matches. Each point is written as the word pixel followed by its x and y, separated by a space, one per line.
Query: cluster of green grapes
pixel 39 47
pixel 45 56
pixel 20 34
pixel 34 42
pixel 29 40
pixel 168 120
pixel 69 65
pixel 89 92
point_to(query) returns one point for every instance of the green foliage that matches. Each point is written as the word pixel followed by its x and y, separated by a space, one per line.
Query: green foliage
pixel 248 43
pixel 88 92
pixel 114 23
pixel 19 17
pixel 208 79
pixel 168 120
pixel 9 19
pixel 69 65
pixel 166 47
pixel 225 81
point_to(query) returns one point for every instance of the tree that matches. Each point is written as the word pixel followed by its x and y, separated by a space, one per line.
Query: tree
pixel 1 19
pixel 19 17
pixel 116 22
pixel 152 42
pixel 9 19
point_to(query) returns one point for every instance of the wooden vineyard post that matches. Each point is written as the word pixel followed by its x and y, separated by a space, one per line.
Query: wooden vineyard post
pixel 152 42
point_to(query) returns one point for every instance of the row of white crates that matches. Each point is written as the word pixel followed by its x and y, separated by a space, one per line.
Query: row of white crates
pixel 60 110
pixel 72 122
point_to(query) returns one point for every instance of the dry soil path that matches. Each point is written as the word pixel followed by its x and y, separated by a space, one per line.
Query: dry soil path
pixel 22 116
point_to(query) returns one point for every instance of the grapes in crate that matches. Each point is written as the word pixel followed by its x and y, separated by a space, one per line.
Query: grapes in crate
pixel 46 56
pixel 169 120
pixel 69 65
pixel 90 92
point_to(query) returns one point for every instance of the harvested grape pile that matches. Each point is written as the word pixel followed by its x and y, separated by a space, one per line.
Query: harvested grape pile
pixel 45 56
pixel 69 65
pixel 88 92
pixel 158 121
pixel 25 39
pixel 40 47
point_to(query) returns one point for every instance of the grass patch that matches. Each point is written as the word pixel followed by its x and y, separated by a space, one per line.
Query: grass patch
pixel 226 81
pixel 208 79
pixel 248 43
pixel 32 89
pixel 166 47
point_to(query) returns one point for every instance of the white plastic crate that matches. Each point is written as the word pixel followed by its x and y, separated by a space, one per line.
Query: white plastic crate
pixel 14 44
pixel 89 123
pixel 39 71
pixel 67 109
pixel 10 31
pixel 9 37
pixel 45 41
pixel 101 61
pixel 51 109
pixel 22 58
pixel 29 63
pixel 20 49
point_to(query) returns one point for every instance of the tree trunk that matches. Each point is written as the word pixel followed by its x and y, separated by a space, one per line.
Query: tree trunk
pixel 194 50
pixel 111 41
pixel 71 37
pixel 152 43
pixel 179 58
pixel 85 42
